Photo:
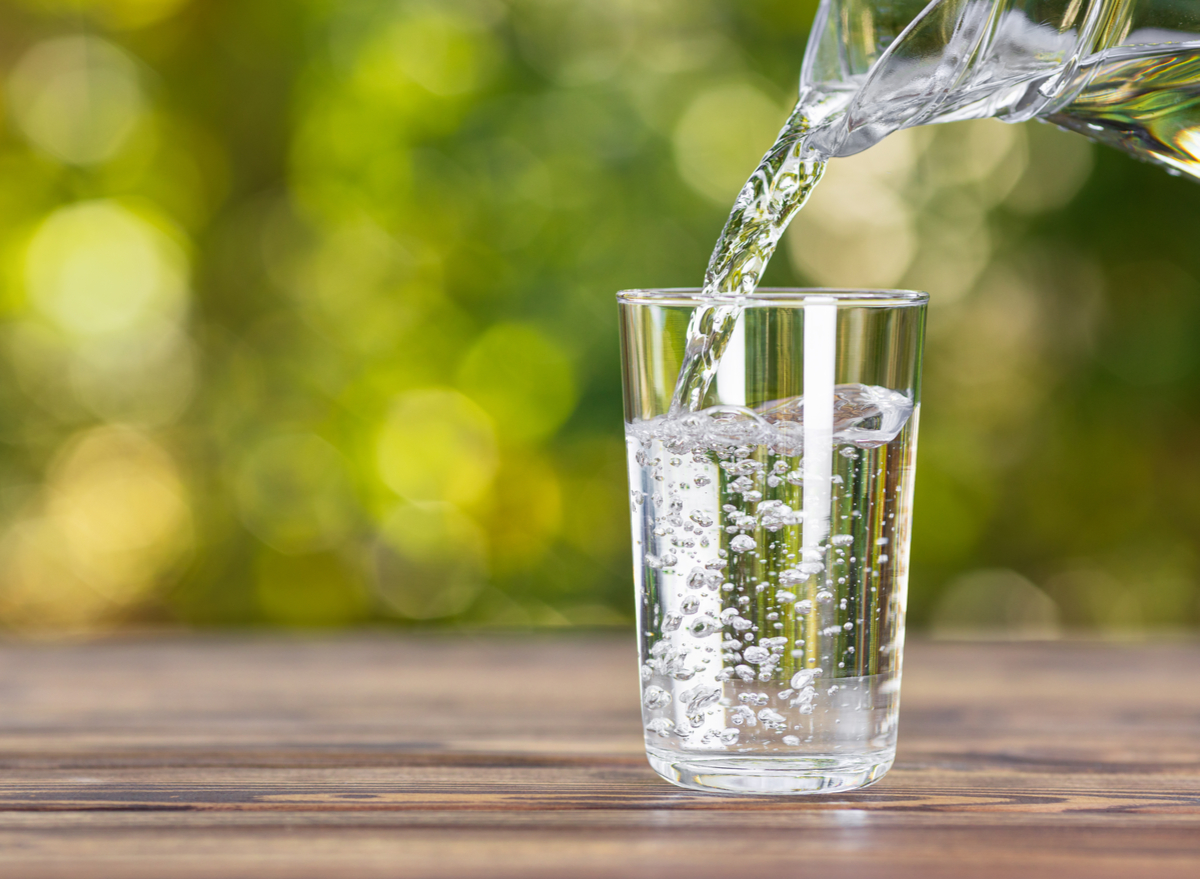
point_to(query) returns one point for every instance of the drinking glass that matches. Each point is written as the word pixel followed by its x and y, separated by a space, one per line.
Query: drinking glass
pixel 771 532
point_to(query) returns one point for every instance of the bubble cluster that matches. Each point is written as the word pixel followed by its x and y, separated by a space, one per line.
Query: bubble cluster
pixel 744 613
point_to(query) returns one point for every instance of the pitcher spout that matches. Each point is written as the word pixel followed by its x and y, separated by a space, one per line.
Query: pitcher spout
pixel 874 67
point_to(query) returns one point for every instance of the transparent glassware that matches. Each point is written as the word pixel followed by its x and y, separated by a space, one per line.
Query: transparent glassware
pixel 771 535
pixel 1122 72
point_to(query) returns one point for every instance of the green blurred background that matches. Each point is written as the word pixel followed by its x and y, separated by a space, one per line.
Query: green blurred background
pixel 309 319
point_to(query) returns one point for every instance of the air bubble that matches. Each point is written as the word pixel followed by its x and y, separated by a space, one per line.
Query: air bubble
pixel 805 677
pixel 743 543
pixel 680 673
pixel 656 697
pixel 791 577
pixel 757 655
pixel 662 726
pixel 699 698
pixel 666 560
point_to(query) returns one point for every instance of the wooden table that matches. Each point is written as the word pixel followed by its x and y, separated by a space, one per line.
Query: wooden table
pixel 406 756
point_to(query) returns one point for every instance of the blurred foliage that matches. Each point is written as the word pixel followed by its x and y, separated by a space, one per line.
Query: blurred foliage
pixel 309 320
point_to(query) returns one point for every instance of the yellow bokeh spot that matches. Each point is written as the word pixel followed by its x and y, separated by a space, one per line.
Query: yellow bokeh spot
pixel 77 98
pixel 98 269
pixel 523 379
pixel 39 587
pixel 721 136
pixel 855 232
pixel 437 445
pixel 122 508
pixel 148 379
pixel 430 561
pixel 112 523
pixel 858 229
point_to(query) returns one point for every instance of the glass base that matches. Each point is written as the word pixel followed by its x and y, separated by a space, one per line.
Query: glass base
pixel 771 775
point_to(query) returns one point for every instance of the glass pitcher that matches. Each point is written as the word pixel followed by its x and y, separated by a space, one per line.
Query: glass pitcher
pixel 1122 72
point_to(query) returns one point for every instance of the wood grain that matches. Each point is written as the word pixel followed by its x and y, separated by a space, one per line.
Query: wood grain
pixel 420 756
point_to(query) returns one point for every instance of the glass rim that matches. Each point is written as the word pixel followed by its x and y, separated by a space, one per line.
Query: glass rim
pixel 795 297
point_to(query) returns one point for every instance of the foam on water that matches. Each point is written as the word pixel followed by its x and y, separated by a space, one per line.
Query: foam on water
pixel 864 417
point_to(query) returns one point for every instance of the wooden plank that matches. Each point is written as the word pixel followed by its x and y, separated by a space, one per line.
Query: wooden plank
pixel 420 756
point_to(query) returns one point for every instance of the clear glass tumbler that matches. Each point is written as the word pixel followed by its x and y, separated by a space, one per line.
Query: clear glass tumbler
pixel 771 534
